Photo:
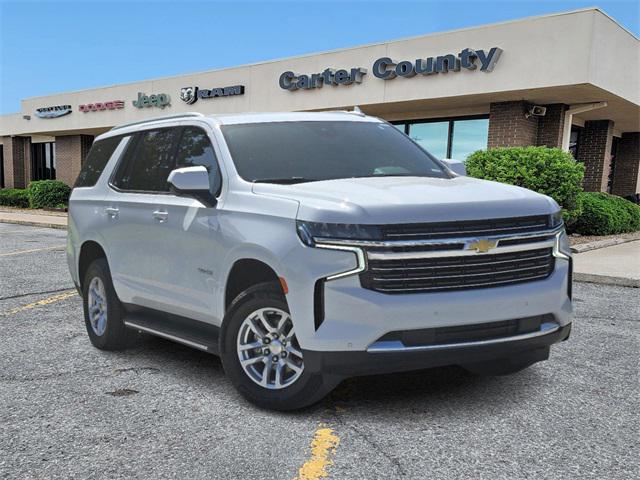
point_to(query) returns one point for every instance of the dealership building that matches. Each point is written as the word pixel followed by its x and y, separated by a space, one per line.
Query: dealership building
pixel 568 80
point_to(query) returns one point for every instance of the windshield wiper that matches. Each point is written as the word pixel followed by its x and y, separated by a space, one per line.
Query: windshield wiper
pixel 285 180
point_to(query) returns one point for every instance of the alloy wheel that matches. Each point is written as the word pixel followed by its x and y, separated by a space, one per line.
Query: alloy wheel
pixel 97 306
pixel 268 349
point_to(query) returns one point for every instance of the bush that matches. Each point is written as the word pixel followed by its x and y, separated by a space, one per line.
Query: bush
pixel 14 197
pixel 549 171
pixel 48 193
pixel 604 214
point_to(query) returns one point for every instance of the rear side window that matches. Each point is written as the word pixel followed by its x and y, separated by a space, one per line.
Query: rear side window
pixel 148 161
pixel 96 160
pixel 195 149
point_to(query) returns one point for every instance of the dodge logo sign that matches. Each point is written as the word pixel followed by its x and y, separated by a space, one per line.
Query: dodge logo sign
pixel 98 106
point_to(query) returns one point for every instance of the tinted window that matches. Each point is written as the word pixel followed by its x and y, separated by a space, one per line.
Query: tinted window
pixel 195 149
pixel 433 136
pixel 469 136
pixel 96 160
pixel 291 152
pixel 148 161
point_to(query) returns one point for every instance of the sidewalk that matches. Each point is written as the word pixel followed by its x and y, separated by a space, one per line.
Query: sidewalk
pixel 615 265
pixel 53 220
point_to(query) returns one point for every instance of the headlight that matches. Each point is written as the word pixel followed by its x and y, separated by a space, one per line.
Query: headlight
pixel 310 231
pixel 555 219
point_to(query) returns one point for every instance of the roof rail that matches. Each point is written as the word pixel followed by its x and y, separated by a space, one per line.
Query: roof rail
pixel 166 117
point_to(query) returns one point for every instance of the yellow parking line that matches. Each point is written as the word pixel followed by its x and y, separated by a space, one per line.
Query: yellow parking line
pixel 57 247
pixel 323 446
pixel 45 301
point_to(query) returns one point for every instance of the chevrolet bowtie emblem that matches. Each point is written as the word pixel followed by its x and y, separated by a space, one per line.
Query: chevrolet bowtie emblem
pixel 482 246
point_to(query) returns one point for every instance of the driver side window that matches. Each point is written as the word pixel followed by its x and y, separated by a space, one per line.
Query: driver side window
pixel 195 149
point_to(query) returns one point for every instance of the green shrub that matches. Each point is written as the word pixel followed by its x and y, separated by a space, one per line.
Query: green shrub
pixel 604 214
pixel 48 193
pixel 14 197
pixel 549 171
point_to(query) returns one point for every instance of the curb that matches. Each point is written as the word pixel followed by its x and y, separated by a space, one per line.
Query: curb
pixel 34 224
pixel 606 280
pixel 586 247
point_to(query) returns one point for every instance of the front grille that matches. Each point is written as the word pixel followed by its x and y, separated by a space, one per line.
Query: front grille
pixel 457 272
pixel 498 226
pixel 467 333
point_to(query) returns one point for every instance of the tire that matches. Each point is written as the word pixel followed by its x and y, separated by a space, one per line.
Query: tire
pixel 509 365
pixel 304 388
pixel 109 332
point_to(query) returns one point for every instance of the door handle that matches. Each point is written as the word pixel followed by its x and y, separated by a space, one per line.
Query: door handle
pixel 111 211
pixel 160 215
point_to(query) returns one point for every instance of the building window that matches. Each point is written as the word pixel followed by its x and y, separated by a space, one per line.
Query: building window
pixel 43 161
pixel 574 140
pixel 449 138
pixel 1 166
pixel 612 163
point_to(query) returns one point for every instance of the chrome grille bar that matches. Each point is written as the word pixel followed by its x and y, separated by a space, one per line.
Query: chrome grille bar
pixel 538 257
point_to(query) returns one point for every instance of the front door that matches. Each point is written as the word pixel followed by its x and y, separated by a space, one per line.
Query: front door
pixel 186 239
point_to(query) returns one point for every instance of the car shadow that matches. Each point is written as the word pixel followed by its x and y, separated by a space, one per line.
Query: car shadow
pixel 421 390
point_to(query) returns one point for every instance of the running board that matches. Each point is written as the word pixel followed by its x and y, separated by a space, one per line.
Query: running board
pixel 192 333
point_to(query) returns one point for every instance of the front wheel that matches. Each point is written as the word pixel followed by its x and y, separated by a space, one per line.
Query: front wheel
pixel 262 356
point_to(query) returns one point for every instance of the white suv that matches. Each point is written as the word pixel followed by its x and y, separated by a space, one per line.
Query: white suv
pixel 304 248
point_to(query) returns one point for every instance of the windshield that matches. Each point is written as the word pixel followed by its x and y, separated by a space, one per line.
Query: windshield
pixel 296 152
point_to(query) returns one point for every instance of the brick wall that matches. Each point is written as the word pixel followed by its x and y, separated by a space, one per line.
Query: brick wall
pixel 508 126
pixel 595 152
pixel 626 177
pixel 71 151
pixel 17 154
pixel 550 126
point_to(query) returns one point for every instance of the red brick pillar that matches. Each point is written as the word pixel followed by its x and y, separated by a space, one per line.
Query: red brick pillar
pixel 551 126
pixel 509 127
pixel 71 151
pixel 595 152
pixel 626 178
pixel 17 161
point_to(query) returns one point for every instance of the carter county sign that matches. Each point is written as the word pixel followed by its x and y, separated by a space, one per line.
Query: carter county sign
pixel 53 112
pixel 387 69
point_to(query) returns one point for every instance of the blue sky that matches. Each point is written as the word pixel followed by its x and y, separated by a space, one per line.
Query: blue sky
pixel 50 47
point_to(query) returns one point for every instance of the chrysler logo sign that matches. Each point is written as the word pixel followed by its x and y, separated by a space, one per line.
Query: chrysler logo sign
pixel 190 95
pixel 53 112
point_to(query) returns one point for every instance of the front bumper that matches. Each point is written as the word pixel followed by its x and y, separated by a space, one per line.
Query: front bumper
pixel 347 364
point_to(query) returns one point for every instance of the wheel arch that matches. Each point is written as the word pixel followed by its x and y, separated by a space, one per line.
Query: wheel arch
pixel 244 274
pixel 89 251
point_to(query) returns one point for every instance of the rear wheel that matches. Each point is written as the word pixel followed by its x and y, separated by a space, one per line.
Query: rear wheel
pixel 103 313
pixel 262 356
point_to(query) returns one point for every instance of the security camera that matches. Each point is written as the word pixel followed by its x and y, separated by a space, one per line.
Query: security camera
pixel 536 111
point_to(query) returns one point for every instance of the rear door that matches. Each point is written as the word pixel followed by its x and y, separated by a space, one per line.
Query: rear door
pixel 137 188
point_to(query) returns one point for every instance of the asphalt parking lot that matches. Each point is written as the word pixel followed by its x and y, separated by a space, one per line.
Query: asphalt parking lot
pixel 160 410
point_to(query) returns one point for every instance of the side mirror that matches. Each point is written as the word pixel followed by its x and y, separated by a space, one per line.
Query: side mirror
pixel 192 182
pixel 456 166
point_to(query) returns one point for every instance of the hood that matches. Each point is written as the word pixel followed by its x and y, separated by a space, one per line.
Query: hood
pixel 386 200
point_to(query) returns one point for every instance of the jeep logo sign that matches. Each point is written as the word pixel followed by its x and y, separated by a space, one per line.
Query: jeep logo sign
pixel 160 100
